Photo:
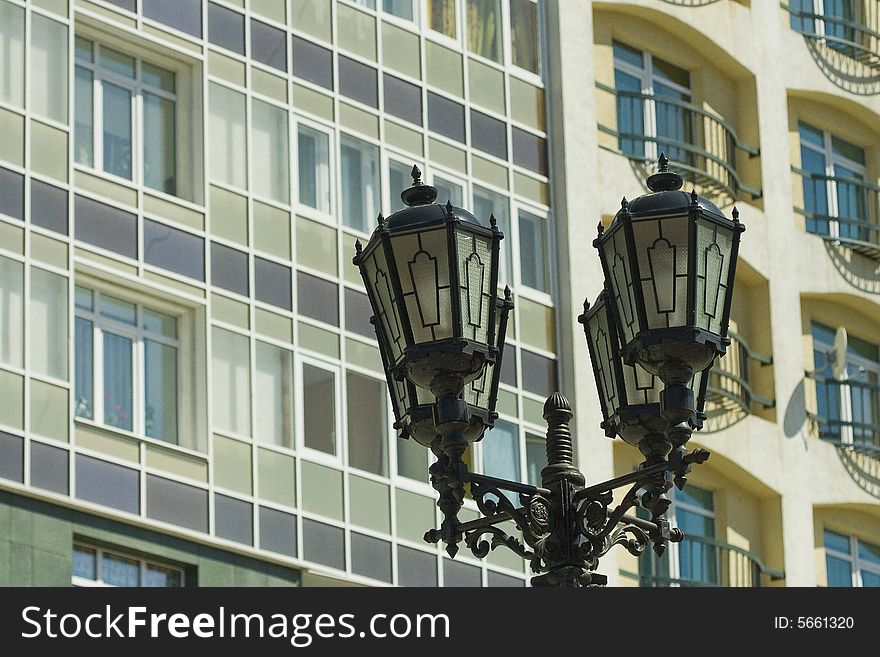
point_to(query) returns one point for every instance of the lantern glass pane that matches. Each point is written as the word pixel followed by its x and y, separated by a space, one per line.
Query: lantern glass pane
pixel 423 267
pixel 641 386
pixel 476 288
pixel 662 248
pixel 380 289
pixel 601 350
pixel 620 283
pixel 714 246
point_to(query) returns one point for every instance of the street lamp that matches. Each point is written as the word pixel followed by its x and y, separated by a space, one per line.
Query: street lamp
pixel 431 276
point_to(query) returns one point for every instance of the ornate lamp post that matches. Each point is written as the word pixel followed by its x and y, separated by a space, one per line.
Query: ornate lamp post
pixel 431 275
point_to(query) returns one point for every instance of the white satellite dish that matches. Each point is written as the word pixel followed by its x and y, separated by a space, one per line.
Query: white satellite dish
pixel 838 365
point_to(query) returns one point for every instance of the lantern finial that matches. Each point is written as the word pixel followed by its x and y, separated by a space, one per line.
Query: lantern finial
pixel 664 180
pixel 419 193
pixel 600 227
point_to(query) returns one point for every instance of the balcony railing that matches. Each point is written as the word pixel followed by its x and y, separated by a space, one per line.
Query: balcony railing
pixel 848 413
pixel 847 42
pixel 730 381
pixel 699 144
pixel 844 210
pixel 704 562
pixel 691 3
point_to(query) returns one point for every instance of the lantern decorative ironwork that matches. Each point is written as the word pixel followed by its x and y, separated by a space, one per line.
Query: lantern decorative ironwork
pixel 629 395
pixel 669 260
pixel 431 274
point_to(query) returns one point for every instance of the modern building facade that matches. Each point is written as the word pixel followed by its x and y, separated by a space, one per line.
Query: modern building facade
pixel 190 388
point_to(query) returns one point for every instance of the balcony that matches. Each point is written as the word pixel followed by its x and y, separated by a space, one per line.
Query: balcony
pixel 848 413
pixel 699 144
pixel 842 210
pixel 730 389
pixel 844 39
pixel 704 562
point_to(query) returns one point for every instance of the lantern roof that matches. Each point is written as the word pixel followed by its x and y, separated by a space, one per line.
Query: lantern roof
pixel 422 211
pixel 667 197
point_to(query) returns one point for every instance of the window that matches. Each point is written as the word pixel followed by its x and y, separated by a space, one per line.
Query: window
pixel 126 116
pixel 483 19
pixel 693 561
pixel 449 191
pixel 487 203
pixel 500 450
pixel 650 114
pixel 183 15
pixel 534 269
pixel 11 54
pixel 441 16
pixel 11 312
pixel 359 175
pixel 47 69
pixel 850 561
pixel 226 28
pixel 319 409
pixel 488 134
pixel 127 365
pixel 401 8
pixel 271 163
pixel 403 99
pixel 412 459
pixel 228 136
pixel 274 395
pixel 231 382
pixel 268 45
pixel 835 19
pixel 524 34
pixel 94 566
pixel 399 180
pixel 47 324
pixel 848 402
pixel 835 193
pixel 367 432
pixel 312 62
pixel 536 458
pixel 358 81
pixel 446 117
pixel 313 150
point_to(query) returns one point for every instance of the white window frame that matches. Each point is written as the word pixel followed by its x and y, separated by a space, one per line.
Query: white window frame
pixel 186 415
pixel 646 78
pixel 187 107
pixel 346 139
pixel 856 366
pixel 326 185
pixel 313 454
pixel 831 160
pixel 856 566
pixel 143 563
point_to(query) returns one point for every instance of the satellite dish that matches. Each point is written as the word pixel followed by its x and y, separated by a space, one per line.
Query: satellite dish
pixel 838 365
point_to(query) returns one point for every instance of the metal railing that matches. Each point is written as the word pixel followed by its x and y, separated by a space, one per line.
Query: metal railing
pixel 704 562
pixel 859 401
pixel 856 36
pixel 691 3
pixel 730 381
pixel 699 144
pixel 846 210
pixel 845 45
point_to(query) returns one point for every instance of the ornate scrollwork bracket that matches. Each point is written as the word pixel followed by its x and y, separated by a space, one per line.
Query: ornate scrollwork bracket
pixel 566 526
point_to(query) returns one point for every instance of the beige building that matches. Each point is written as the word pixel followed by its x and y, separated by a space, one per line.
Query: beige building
pixel 185 351
pixel 773 109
